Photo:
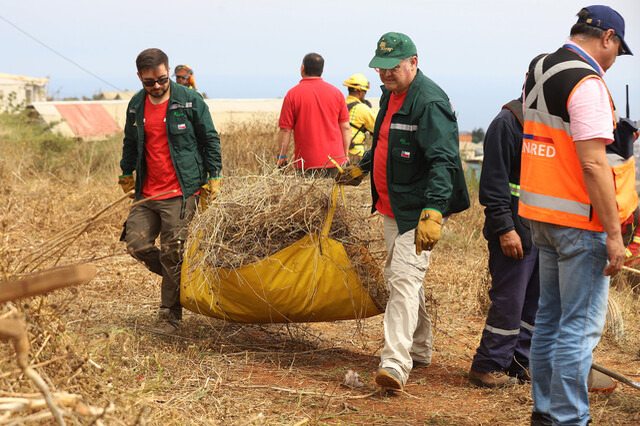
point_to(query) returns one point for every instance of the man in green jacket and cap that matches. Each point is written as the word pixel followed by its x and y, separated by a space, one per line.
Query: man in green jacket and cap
pixel 173 147
pixel 416 182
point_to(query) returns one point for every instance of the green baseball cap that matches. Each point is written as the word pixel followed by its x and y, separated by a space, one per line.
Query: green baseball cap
pixel 391 49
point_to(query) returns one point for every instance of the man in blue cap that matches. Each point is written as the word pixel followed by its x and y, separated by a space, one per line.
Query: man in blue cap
pixel 575 209
pixel 416 182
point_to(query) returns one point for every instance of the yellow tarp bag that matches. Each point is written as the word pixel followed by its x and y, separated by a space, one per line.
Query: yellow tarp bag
pixel 312 280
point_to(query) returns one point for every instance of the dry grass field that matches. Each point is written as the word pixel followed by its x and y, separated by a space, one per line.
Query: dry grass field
pixel 94 346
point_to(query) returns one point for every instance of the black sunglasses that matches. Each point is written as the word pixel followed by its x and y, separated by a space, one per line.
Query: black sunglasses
pixel 161 81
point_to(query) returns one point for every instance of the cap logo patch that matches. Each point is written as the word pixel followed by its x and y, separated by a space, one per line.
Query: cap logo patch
pixel 182 126
pixel 590 22
pixel 383 46
pixel 405 154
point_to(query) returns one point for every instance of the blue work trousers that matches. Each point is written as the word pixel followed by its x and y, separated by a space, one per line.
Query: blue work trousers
pixel 506 338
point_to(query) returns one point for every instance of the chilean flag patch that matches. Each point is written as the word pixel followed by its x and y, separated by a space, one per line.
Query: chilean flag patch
pixel 182 126
pixel 405 154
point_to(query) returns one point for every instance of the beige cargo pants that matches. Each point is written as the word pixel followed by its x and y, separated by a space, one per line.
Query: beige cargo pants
pixel 407 326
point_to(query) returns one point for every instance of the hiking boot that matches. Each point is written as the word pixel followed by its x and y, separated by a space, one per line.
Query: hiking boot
pixel 492 379
pixel 167 327
pixel 389 378
pixel 164 314
pixel 420 364
pixel 524 377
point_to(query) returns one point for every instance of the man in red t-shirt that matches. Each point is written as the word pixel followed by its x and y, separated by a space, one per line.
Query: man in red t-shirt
pixel 173 147
pixel 316 113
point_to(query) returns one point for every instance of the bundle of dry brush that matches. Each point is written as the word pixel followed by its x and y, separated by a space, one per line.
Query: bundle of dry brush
pixel 257 216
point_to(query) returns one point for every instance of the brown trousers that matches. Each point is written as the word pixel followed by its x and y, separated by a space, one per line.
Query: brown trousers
pixel 168 219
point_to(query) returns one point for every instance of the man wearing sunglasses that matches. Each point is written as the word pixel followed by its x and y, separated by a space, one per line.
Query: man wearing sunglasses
pixel 184 76
pixel 171 144
pixel 416 181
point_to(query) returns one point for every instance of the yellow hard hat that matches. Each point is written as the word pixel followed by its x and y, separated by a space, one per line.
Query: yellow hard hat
pixel 358 82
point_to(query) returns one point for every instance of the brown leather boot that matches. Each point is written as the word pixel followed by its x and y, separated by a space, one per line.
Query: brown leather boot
pixel 492 379
pixel 169 327
pixel 389 378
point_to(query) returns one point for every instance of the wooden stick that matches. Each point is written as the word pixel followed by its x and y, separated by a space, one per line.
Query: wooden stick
pixel 41 364
pixel 635 271
pixel 15 331
pixel 93 219
pixel 48 246
pixel 37 380
pixel 46 281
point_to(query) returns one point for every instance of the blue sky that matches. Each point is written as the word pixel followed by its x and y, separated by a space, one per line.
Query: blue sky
pixel 477 51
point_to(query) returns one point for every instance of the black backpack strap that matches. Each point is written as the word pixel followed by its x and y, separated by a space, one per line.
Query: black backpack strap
pixel 351 105
pixel 361 128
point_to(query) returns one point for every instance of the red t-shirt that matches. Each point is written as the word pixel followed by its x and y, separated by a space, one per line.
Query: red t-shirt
pixel 161 175
pixel 314 110
pixel 380 156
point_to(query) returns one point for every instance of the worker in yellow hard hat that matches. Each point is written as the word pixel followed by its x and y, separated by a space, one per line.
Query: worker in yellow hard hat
pixel 361 117
pixel 184 76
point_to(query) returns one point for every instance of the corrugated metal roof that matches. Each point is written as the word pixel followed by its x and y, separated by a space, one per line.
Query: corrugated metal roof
pixel 88 120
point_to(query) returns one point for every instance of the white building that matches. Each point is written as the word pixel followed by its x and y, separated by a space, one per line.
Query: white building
pixel 19 91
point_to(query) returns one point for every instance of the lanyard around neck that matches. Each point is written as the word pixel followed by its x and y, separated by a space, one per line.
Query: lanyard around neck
pixel 584 56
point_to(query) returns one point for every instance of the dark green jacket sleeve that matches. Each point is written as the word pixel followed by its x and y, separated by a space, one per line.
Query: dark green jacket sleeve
pixel 438 134
pixel 207 138
pixel 129 143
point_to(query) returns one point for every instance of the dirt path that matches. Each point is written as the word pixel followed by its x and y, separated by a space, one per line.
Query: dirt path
pixel 95 342
pixel 217 373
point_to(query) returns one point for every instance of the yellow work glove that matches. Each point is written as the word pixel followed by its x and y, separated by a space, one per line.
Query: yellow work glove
pixel 428 230
pixel 127 182
pixel 208 192
pixel 350 175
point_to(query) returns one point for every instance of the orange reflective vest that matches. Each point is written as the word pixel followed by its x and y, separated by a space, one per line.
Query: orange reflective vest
pixel 552 187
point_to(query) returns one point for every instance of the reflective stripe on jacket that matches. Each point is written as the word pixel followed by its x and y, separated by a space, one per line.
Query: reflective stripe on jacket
pixel 552 187
pixel 499 189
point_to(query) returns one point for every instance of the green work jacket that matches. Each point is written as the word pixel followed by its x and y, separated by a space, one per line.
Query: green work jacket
pixel 424 169
pixel 193 140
